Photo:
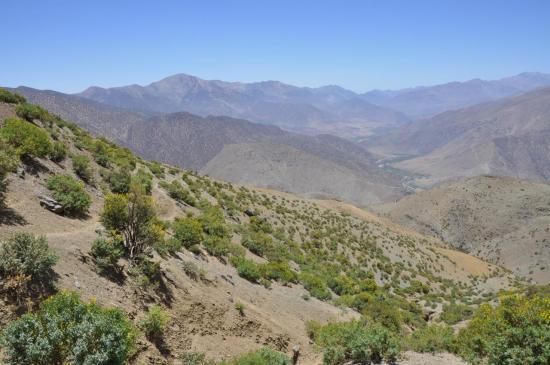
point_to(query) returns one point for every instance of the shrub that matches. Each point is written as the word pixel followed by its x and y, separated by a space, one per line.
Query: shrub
pixel 383 311
pixel 106 254
pixel 213 222
pixel 258 243
pixel 133 217
pixel 279 271
pixel 178 192
pixel 516 332
pixel 454 313
pixel 193 271
pixel 26 254
pixel 27 139
pixel 316 286
pixel 120 181
pixel 194 358
pixel 433 338
pixel 246 269
pixel 69 193
pixel 357 342
pixel 29 112
pixel 157 169
pixel 240 308
pixel 81 167
pixel 10 98
pixel 154 323
pixel 188 231
pixel 143 179
pixel 8 163
pixel 216 246
pixel 66 330
pixel 263 356
pixel 58 152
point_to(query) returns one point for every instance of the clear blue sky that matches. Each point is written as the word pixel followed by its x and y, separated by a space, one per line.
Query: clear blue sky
pixel 69 45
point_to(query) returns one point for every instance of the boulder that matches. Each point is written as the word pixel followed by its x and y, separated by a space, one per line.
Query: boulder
pixel 51 204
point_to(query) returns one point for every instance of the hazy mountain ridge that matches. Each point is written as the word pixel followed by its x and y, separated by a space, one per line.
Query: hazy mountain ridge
pixel 303 109
pixel 506 137
pixel 427 101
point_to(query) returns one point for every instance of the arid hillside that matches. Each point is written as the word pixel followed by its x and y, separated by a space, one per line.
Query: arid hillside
pixel 500 219
pixel 233 268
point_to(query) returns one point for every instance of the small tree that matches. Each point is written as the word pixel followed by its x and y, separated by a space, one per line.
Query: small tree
pixel 133 216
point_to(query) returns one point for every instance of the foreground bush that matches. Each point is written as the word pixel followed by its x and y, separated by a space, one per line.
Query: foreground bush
pixel 516 332
pixel 356 342
pixel 263 356
pixel 69 193
pixel 27 139
pixel 106 254
pixel 66 330
pixel 10 98
pixel 154 324
pixel 433 338
pixel 26 254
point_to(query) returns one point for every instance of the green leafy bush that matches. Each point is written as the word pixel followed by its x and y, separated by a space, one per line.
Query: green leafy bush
pixel 258 243
pixel 263 356
pixel 216 246
pixel 27 139
pixel 356 342
pixel 433 338
pixel 69 193
pixel 188 231
pixel 66 330
pixel 178 192
pixel 58 152
pixel 81 167
pixel 106 253
pixel 155 322
pixel 10 98
pixel 385 312
pixel 8 163
pixel 143 179
pixel 26 254
pixel 454 313
pixel 279 271
pixel 516 332
pixel 29 112
pixel 316 286
pixel 246 268
pixel 120 181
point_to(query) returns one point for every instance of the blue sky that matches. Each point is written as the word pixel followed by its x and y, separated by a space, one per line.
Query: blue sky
pixel 361 45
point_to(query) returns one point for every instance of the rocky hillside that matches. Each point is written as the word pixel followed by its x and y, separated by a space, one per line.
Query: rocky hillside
pixel 506 137
pixel 300 109
pixel 500 219
pixel 227 269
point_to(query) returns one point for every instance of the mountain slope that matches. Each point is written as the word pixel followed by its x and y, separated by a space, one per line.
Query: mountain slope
pixel 310 110
pixel 426 101
pixel 100 119
pixel 506 137
pixel 192 142
pixel 500 219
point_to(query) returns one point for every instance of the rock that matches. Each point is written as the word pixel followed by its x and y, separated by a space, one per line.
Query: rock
pixel 51 204
pixel 20 172
pixel 249 212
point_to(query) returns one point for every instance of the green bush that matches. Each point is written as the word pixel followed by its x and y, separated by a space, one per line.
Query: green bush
pixel 81 167
pixel 143 179
pixel 106 254
pixel 27 139
pixel 246 268
pixel 516 332
pixel 178 192
pixel 433 338
pixel 69 193
pixel 454 313
pixel 279 271
pixel 10 98
pixel 26 254
pixel 66 330
pixel 120 181
pixel 316 286
pixel 258 243
pixel 263 356
pixel 29 112
pixel 58 152
pixel 216 246
pixel 213 222
pixel 385 312
pixel 8 163
pixel 188 231
pixel 154 323
pixel 356 342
